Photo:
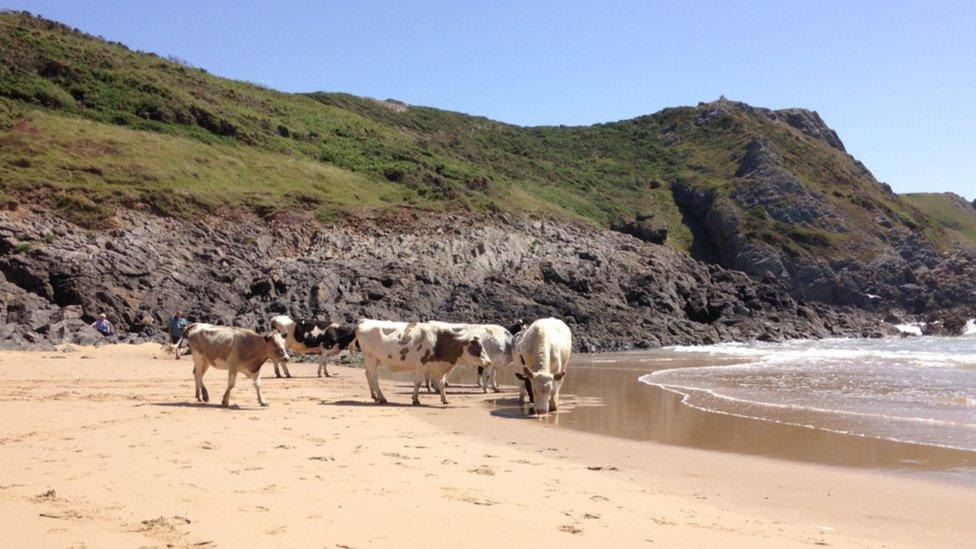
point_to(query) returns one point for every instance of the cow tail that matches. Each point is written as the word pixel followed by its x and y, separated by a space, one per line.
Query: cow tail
pixel 182 337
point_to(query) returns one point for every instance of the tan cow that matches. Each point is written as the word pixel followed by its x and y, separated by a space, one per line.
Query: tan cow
pixel 543 350
pixel 422 348
pixel 232 349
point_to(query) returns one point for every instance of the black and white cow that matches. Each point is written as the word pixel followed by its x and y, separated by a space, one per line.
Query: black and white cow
pixel 313 336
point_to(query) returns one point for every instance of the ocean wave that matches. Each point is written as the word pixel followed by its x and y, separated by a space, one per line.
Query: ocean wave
pixel 919 390
pixel 687 395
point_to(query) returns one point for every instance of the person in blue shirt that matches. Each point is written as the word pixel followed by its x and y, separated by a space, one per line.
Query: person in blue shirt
pixel 176 326
pixel 103 326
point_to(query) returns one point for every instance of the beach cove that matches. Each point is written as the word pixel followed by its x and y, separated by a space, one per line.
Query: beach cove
pixel 107 446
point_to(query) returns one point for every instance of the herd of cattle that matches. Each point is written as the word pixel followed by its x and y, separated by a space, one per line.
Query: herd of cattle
pixel 428 349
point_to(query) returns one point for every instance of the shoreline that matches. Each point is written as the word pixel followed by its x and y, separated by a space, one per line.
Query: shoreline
pixel 132 460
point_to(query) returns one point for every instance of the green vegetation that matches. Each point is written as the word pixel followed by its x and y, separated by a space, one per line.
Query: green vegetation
pixel 952 212
pixel 88 126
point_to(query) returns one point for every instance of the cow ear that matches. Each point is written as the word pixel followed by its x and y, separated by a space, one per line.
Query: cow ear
pixel 559 376
pixel 528 373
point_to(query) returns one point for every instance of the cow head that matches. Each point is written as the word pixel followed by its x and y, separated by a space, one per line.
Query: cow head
pixel 474 353
pixel 518 326
pixel 277 350
pixel 542 387
pixel 337 338
pixel 284 325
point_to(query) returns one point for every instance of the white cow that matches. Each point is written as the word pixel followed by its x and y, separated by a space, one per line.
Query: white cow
pixel 422 348
pixel 313 336
pixel 498 344
pixel 232 349
pixel 542 350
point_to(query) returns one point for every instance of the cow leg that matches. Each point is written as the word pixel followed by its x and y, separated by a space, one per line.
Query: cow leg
pixel 199 367
pixel 231 381
pixel 285 368
pixel 257 388
pixel 440 383
pixel 482 381
pixel 277 372
pixel 324 366
pixel 369 382
pixel 372 376
pixel 418 378
pixel 430 389
pixel 492 379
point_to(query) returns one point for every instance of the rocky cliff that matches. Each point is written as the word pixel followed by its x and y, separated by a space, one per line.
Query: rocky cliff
pixel 614 290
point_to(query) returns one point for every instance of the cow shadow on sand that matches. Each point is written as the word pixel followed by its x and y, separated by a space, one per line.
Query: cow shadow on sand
pixel 389 404
pixel 206 405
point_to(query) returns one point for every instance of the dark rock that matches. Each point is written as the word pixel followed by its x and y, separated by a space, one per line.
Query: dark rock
pixel 615 291
pixel 644 227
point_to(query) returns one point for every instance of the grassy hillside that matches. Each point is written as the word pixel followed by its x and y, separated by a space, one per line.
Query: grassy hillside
pixel 88 126
pixel 952 212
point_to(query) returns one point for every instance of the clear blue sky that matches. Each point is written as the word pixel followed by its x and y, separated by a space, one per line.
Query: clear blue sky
pixel 896 79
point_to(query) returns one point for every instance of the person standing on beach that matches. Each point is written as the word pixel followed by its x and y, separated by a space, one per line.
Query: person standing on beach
pixel 103 326
pixel 176 326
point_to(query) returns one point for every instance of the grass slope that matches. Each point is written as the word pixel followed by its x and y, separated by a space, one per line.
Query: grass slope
pixel 94 126
pixel 952 212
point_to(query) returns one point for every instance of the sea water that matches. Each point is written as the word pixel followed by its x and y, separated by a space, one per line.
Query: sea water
pixel 919 390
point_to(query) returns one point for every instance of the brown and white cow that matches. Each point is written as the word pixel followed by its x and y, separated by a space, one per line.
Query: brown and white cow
pixel 422 348
pixel 237 350
pixel 498 344
pixel 313 336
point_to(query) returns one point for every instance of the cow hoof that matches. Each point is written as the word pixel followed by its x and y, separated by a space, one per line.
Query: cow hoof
pixel 264 404
pixel 416 403
pixel 225 404
pixel 381 401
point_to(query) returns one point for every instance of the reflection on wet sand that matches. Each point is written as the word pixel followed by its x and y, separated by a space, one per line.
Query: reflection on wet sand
pixel 603 395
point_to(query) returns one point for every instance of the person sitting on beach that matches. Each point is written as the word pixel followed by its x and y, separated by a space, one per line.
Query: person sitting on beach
pixel 103 326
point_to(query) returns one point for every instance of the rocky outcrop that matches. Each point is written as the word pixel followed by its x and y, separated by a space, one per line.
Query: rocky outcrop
pixel 810 123
pixel 646 227
pixel 893 268
pixel 614 290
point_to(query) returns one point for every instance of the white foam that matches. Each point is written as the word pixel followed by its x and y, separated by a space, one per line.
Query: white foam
pixel 919 389
pixel 914 328
pixel 970 328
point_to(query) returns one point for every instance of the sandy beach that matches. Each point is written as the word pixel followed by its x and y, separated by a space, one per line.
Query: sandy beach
pixel 107 447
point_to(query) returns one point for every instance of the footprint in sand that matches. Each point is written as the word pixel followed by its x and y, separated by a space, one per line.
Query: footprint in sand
pixel 483 470
pixel 164 528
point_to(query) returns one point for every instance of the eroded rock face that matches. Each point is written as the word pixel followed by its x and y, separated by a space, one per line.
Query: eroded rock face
pixel 892 268
pixel 614 290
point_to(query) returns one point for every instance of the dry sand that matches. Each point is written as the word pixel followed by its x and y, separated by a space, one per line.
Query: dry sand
pixel 105 447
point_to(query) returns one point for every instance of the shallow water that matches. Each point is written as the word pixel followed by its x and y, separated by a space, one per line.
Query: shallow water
pixel 895 404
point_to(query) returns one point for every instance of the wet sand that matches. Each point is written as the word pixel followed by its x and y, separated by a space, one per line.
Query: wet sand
pixel 105 447
pixel 611 401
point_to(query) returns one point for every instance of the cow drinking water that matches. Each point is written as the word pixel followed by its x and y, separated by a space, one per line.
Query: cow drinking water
pixel 542 351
